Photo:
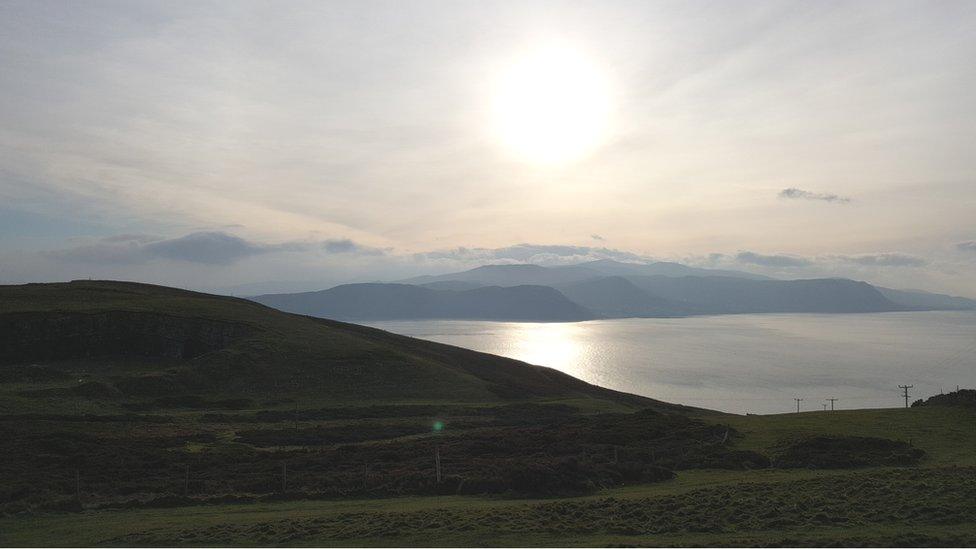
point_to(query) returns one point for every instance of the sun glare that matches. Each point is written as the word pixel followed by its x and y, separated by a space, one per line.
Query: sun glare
pixel 552 107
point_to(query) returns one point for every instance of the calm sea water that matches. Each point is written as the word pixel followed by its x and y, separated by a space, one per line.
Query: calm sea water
pixel 740 363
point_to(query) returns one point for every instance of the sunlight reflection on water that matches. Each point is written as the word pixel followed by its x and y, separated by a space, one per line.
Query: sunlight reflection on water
pixel 739 363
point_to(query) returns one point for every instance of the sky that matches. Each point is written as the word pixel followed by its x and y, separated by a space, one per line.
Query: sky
pixel 240 145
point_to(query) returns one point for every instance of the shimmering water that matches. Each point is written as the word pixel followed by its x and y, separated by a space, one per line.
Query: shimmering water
pixel 740 363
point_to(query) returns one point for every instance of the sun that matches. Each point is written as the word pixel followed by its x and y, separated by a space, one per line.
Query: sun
pixel 551 107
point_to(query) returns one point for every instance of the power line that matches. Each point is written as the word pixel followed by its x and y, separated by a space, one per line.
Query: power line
pixel 906 388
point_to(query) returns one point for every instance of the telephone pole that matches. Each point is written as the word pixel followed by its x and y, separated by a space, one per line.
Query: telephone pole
pixel 832 400
pixel 906 388
pixel 798 401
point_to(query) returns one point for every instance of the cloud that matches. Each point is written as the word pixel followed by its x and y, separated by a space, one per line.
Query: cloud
pixel 131 238
pixel 799 194
pixel 204 247
pixel 217 248
pixel 597 237
pixel 346 246
pixel 881 259
pixel 774 260
pixel 968 246
pixel 541 254
pixel 890 259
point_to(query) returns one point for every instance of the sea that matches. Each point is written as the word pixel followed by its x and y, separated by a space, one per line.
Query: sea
pixel 755 363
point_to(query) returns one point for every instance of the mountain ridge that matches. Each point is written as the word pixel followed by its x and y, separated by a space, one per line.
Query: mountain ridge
pixel 377 301
pixel 607 289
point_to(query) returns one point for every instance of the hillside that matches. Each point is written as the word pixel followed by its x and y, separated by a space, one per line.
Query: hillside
pixel 720 295
pixel 615 297
pixel 403 301
pixel 130 342
pixel 927 301
pixel 662 268
pixel 925 504
pixel 513 275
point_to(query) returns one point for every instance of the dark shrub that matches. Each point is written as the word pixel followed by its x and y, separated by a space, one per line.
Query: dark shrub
pixel 825 452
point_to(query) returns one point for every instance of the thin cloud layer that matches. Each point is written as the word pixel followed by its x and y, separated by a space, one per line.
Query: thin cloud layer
pixel 891 259
pixel 540 254
pixel 968 246
pixel 794 193
pixel 786 261
pixel 204 247
pixel 773 260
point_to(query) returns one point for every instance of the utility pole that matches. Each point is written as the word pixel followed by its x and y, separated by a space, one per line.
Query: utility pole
pixel 284 477
pixel 798 401
pixel 832 400
pixel 825 406
pixel 906 388
pixel 186 480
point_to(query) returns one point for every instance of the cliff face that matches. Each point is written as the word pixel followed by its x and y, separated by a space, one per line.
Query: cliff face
pixel 38 337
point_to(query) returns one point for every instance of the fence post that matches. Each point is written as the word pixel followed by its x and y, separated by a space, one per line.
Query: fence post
pixel 437 462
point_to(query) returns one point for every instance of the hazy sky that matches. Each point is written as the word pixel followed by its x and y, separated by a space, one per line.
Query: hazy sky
pixel 216 144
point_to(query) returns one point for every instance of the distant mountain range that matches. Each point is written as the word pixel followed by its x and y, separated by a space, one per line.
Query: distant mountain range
pixel 374 301
pixel 600 289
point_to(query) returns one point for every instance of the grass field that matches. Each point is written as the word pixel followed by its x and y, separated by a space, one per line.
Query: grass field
pixel 932 504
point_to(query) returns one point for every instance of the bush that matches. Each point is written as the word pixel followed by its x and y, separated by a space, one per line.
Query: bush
pixel 824 452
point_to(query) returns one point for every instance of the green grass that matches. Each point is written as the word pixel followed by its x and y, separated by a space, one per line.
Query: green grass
pixel 934 504
pixel 947 434
pixel 755 509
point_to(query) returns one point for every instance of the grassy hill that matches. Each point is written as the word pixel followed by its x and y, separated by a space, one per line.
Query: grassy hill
pixel 122 341
pixel 147 416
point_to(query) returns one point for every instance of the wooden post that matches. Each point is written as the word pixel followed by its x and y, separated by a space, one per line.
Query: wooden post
pixel 284 477
pixel 437 462
pixel 365 475
pixel 186 481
